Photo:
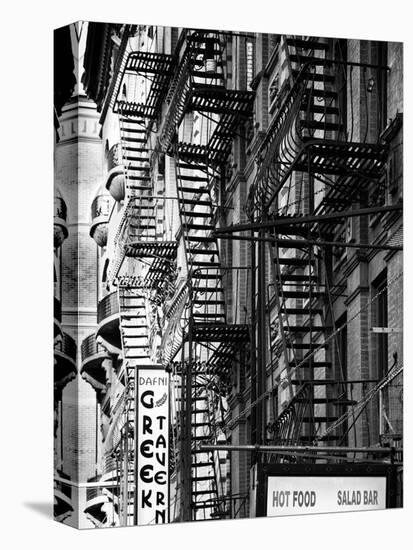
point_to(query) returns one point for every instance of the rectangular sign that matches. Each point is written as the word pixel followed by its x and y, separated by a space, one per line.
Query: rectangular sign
pixel 152 446
pixel 298 495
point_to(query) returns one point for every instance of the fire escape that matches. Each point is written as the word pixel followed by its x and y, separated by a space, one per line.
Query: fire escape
pixel 198 344
pixel 309 166
pixel 142 285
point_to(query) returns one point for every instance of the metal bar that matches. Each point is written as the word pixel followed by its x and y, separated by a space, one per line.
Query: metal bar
pixel 261 364
pixel 298 448
pixel 309 242
pixel 253 344
pixel 187 472
pixel 135 449
pixel 281 221
pixel 322 456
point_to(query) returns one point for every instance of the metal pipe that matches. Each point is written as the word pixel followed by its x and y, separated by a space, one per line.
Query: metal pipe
pixel 296 220
pixel 253 343
pixel 261 325
pixel 299 448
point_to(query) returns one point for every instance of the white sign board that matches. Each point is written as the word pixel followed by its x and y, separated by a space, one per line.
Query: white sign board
pixel 152 446
pixel 289 496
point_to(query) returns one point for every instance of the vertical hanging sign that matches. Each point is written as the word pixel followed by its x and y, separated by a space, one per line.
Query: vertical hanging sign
pixel 152 446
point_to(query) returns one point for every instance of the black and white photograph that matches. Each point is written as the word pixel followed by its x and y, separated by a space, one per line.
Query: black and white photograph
pixel 228 274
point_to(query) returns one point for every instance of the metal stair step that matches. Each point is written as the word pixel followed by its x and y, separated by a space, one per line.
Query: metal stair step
pixel 205 492
pixel 186 166
pixel 286 277
pixel 129 316
pixel 305 345
pixel 138 346
pixel 193 214
pixel 326 94
pixel 197 479
pixel 208 289
pixel 145 226
pixel 208 302
pixel 201 437
pixel 136 159
pixel 302 294
pixel 192 178
pixel 200 239
pixel 129 139
pixel 193 190
pixel 197 226
pixel 295 262
pixel 302 311
pixel 307 44
pixel 315 400
pixel 137 188
pixel 204 251
pixel 299 329
pixel 209 315
pixel 201 464
pixel 313 365
pixel 139 178
pixel 207 276
pixel 197 202
pixel 319 109
pixel 309 419
pixel 131 130
pixel 205 264
pixel 315 77
pixel 135 148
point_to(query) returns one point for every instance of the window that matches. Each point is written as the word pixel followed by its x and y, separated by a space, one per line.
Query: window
pixel 340 54
pixel 250 54
pixel 380 320
pixel 382 86
pixel 339 252
pixel 273 91
pixel 341 348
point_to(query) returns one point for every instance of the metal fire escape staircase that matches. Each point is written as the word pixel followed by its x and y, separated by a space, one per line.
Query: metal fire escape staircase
pixel 306 140
pixel 199 86
pixel 140 236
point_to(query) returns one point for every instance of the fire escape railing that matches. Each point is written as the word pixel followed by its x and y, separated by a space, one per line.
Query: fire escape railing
pixel 188 94
pixel 157 69
pixel 301 137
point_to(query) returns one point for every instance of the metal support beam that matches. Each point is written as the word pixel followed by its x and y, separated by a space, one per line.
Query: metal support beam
pixel 298 220
pixel 253 344
pixel 299 449
pixel 261 344
pixel 298 242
